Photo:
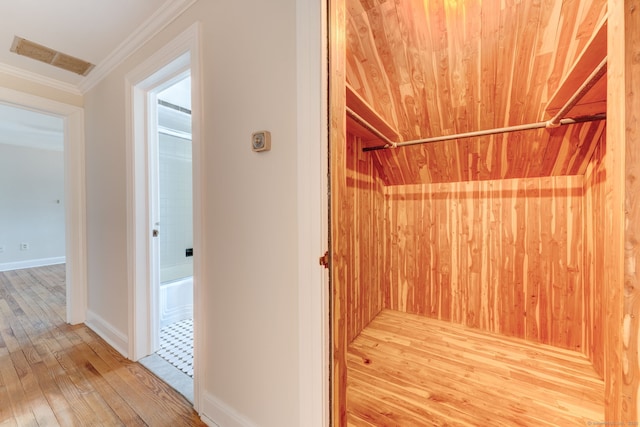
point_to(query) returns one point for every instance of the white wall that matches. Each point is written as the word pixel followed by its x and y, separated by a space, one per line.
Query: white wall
pixel 31 206
pixel 250 207
pixel 106 205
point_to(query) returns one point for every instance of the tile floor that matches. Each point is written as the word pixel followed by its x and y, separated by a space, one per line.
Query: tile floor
pixel 176 345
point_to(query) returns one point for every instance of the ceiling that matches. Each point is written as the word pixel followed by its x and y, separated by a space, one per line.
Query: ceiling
pixel 97 31
pixel 90 30
pixel 430 68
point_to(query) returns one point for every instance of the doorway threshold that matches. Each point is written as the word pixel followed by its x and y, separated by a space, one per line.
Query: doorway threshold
pixel 171 375
pixel 173 363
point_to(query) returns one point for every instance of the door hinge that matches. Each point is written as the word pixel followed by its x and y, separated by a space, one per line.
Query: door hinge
pixel 324 260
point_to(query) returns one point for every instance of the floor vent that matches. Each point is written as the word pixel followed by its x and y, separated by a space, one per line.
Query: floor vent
pixel 41 53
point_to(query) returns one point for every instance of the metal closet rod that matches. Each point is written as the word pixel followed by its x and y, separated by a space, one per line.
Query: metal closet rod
pixel 545 124
pixel 555 121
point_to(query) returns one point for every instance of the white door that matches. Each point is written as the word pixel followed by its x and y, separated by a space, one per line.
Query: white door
pixel 172 209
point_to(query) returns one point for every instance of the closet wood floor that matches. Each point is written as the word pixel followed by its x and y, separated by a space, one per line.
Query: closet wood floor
pixel 407 370
pixel 55 374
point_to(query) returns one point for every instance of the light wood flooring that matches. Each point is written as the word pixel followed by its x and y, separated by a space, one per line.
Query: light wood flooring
pixel 54 374
pixel 407 370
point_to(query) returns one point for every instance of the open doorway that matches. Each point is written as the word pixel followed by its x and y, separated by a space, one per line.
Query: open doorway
pixel 173 63
pixel 32 213
pixel 73 202
pixel 172 249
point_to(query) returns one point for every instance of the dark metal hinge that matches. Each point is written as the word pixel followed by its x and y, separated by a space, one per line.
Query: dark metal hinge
pixel 324 260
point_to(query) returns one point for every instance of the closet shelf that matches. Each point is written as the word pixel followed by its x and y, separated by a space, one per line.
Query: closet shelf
pixel 359 106
pixel 595 100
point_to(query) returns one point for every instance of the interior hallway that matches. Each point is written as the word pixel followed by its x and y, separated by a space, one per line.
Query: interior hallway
pixel 52 373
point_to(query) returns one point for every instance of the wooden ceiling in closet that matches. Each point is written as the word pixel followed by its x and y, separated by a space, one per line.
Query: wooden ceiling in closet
pixel 428 68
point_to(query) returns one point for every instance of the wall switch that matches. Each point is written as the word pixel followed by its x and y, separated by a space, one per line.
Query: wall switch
pixel 24 246
pixel 1 249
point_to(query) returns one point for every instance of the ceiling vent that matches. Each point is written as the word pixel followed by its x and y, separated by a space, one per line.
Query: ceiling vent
pixel 36 51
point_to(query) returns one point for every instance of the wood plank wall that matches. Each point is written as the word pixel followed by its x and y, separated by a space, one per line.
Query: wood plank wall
pixel 362 212
pixel 338 249
pixel 504 256
pixel 594 253
pixel 631 320
pixel 620 334
pixel 622 346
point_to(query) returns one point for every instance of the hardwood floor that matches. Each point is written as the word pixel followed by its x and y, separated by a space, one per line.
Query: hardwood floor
pixel 52 373
pixel 407 370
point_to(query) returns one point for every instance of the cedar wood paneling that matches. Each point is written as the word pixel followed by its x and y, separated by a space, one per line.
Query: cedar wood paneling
pixel 594 252
pixel 503 256
pixel 439 67
pixel 516 256
pixel 362 211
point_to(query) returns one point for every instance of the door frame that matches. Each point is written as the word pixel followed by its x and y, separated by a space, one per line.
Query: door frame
pixel 336 22
pixel 315 355
pixel 180 54
pixel 75 196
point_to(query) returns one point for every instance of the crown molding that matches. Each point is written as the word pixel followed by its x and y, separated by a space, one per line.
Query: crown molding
pixel 166 14
pixel 39 79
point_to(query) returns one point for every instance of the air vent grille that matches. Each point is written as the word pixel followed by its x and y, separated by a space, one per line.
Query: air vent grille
pixel 41 53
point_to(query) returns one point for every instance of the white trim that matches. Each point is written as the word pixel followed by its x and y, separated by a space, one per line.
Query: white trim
pixel 31 263
pixel 166 14
pixel 75 217
pixel 216 413
pixel 153 194
pixel 181 53
pixel 39 79
pixel 74 187
pixel 115 338
pixel 208 421
pixel 199 222
pixel 313 289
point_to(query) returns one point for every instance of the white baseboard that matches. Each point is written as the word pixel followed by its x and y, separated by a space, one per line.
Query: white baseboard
pixel 216 413
pixel 31 263
pixel 111 335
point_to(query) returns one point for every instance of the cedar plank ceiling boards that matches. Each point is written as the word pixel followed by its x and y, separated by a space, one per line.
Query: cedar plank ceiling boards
pixel 441 67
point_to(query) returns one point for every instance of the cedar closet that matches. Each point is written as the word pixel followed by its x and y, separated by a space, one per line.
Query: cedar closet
pixel 469 281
